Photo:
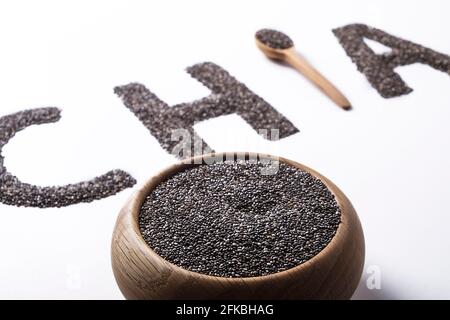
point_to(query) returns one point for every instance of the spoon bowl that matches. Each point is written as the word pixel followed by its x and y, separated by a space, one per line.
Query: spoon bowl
pixel 272 53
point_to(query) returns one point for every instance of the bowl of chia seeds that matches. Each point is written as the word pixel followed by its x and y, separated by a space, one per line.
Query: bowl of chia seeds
pixel 238 226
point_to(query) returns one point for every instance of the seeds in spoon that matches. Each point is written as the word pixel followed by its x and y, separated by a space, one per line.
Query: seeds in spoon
pixel 274 39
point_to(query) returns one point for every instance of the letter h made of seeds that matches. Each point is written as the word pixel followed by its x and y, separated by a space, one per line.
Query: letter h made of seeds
pixel 227 96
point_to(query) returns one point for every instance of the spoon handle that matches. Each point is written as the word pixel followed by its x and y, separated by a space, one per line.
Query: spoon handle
pixel 303 66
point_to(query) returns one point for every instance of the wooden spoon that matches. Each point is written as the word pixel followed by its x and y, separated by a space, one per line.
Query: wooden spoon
pixel 278 46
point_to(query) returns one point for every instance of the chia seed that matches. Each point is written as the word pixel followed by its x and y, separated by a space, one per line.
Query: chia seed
pixel 379 68
pixel 14 192
pixel 226 219
pixel 274 39
pixel 228 96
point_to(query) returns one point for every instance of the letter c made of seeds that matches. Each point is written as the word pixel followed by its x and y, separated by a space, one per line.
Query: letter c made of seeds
pixel 16 193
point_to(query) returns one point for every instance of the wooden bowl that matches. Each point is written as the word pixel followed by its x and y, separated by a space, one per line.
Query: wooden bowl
pixel 333 273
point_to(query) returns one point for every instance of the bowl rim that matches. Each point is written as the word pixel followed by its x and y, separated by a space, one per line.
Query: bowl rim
pixel 148 186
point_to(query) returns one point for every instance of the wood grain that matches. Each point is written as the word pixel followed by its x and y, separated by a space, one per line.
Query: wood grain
pixel 294 59
pixel 305 68
pixel 334 273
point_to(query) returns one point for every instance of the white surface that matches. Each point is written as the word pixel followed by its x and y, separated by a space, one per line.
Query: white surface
pixel 390 156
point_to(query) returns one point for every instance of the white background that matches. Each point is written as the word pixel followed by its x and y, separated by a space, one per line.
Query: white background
pixel 390 156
